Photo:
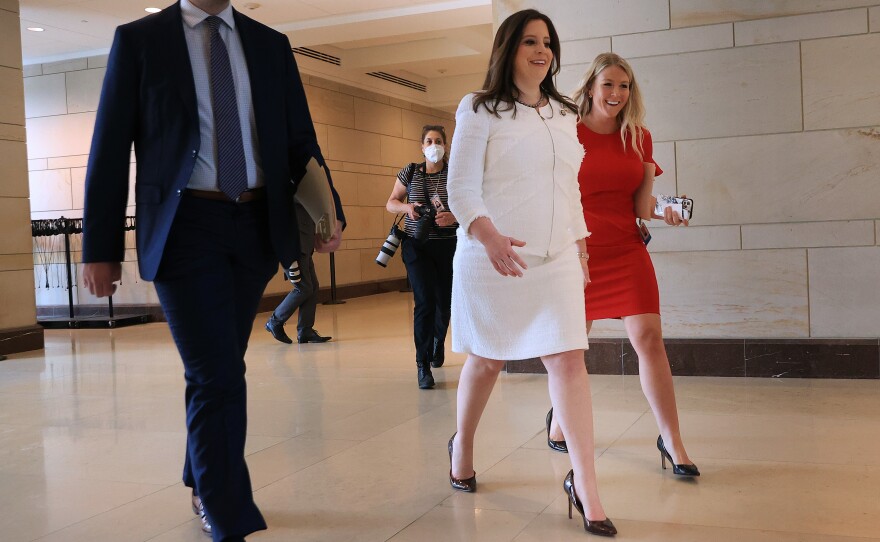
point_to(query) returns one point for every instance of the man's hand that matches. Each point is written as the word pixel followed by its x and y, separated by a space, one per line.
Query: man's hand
pixel 100 276
pixel 332 244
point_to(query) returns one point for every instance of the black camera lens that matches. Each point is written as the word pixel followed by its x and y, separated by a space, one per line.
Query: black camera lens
pixel 426 221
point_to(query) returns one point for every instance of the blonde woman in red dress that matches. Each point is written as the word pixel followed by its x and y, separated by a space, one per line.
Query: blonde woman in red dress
pixel 616 178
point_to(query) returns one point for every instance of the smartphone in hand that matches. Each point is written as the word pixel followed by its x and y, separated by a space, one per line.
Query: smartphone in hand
pixel 683 206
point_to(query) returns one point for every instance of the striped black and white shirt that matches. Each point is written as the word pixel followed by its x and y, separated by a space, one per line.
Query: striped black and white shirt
pixel 421 190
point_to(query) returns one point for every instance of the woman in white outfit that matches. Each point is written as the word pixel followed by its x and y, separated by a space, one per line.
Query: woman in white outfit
pixel 521 265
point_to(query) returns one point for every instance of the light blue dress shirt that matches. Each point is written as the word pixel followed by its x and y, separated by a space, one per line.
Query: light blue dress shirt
pixel 204 175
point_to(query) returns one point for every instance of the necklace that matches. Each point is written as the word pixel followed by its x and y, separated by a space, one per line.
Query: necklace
pixel 435 176
pixel 534 105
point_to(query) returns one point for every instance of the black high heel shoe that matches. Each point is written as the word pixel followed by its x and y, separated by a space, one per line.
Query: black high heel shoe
pixel 557 445
pixel 468 485
pixel 601 528
pixel 683 469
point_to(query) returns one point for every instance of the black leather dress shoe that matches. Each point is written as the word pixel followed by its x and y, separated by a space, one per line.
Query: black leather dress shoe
pixel 425 377
pixel 312 336
pixel 277 331
pixel 439 355
pixel 199 510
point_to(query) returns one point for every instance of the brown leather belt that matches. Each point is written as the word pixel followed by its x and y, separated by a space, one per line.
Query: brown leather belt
pixel 246 196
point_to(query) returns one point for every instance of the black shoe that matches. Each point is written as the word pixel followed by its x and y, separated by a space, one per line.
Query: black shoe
pixel 601 528
pixel 277 330
pixel 557 445
pixel 311 336
pixel 199 509
pixel 439 355
pixel 682 469
pixel 426 379
pixel 468 485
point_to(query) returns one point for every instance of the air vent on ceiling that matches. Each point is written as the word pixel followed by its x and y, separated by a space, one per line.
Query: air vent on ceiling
pixel 317 55
pixel 399 81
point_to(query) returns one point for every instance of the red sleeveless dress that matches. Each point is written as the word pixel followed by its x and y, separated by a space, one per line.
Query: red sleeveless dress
pixel 622 276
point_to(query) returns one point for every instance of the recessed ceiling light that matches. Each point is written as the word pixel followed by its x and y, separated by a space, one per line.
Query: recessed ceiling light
pixel 152 10
pixel 35 29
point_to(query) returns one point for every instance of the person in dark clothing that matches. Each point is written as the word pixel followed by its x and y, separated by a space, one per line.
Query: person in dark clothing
pixel 420 194
pixel 215 107
pixel 305 291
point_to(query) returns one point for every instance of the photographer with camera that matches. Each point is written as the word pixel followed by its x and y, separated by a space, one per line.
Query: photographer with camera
pixel 428 247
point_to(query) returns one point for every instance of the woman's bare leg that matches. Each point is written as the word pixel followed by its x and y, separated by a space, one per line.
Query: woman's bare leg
pixel 474 388
pixel 572 406
pixel 646 336
pixel 555 430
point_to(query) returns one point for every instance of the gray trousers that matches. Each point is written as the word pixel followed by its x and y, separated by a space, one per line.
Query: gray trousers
pixel 303 297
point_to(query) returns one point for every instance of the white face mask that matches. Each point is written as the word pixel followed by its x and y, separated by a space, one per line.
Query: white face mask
pixel 434 153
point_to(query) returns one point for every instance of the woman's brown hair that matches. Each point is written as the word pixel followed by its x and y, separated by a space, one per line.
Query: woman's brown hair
pixel 498 88
pixel 434 128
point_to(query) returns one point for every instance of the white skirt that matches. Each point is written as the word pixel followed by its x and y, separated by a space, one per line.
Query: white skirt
pixel 509 318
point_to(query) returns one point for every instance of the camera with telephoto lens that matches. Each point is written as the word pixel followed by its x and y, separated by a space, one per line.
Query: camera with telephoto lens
pixel 293 273
pixel 389 247
pixel 427 220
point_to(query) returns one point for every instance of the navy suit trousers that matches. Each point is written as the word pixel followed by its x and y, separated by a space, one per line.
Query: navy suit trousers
pixel 216 264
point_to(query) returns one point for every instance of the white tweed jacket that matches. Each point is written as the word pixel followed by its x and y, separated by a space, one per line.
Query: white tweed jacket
pixel 521 172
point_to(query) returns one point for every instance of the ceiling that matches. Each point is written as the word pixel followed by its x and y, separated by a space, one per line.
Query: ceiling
pixel 442 45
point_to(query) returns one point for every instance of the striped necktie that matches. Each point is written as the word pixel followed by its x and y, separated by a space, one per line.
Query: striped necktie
pixel 231 168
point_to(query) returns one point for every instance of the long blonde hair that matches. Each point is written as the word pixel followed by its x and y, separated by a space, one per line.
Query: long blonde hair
pixel 632 116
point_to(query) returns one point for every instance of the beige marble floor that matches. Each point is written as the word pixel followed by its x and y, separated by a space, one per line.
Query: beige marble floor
pixel 343 446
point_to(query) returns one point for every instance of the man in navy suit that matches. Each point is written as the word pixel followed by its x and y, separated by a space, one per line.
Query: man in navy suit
pixel 215 107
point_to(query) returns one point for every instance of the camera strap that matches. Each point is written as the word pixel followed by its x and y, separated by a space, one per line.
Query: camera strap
pixel 412 171
pixel 409 178
pixel 396 225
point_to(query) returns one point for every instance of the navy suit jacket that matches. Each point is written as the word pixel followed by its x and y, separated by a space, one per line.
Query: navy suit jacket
pixel 149 98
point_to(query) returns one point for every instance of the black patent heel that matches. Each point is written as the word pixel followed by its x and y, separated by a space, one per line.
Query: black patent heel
pixel 556 445
pixel 600 528
pixel 682 469
pixel 468 485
